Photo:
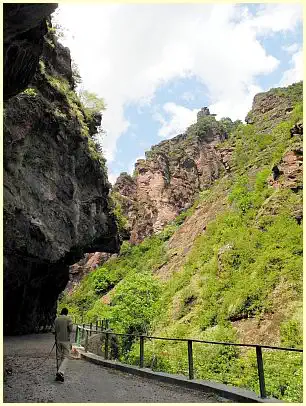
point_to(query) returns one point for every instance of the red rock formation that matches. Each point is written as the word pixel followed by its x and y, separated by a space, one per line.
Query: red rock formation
pixel 272 107
pixel 289 172
pixel 173 173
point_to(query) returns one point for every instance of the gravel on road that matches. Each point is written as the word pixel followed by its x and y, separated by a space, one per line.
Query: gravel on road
pixel 32 379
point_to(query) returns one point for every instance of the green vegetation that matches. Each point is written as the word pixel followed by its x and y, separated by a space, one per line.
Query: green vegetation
pixel 292 92
pixel 49 42
pixel 91 102
pixel 42 67
pixel 30 92
pixel 257 149
pixel 244 270
pixel 134 262
pixel 122 221
pixel 135 303
pixel 208 123
pixel 76 73
pixel 77 110
pixel 59 114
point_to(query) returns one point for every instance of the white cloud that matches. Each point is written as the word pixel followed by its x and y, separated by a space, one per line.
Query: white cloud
pixel 187 96
pixel 112 177
pixel 295 73
pixel 131 165
pixel 180 118
pixel 125 52
pixel 291 49
pixel 239 108
pixel 272 18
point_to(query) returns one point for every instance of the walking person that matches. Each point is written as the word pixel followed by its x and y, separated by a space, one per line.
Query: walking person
pixel 63 328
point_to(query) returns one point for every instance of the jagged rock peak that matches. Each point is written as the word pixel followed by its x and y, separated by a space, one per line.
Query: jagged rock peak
pixel 204 112
pixel 272 107
pixel 169 178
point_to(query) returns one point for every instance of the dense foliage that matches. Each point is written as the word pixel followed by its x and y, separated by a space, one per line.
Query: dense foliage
pixel 246 267
pixel 206 124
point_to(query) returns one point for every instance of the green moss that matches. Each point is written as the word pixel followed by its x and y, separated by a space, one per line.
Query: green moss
pixel 49 42
pixel 122 221
pixel 59 114
pixel 31 92
pixel 42 67
pixel 76 110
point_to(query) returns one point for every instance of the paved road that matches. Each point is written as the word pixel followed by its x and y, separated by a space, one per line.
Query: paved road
pixel 32 379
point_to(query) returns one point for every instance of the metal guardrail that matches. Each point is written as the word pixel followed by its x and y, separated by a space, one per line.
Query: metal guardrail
pixel 260 365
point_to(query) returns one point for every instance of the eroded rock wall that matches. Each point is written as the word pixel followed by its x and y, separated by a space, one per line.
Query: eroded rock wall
pixel 56 204
pixel 168 180
pixel 272 107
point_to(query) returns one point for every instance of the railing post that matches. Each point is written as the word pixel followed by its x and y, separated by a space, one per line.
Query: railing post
pixel 106 345
pixel 76 334
pixel 86 341
pixel 90 328
pixel 102 325
pixel 100 345
pixel 97 326
pixel 261 375
pixel 83 333
pixel 141 351
pixel 190 360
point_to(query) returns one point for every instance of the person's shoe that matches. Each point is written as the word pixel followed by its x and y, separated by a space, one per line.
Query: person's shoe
pixel 59 377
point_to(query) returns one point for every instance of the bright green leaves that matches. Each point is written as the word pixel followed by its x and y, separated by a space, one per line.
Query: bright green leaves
pixel 134 303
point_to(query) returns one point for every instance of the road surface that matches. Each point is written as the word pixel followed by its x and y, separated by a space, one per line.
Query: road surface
pixel 32 379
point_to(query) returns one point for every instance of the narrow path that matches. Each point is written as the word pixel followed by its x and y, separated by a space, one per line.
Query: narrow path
pixel 85 382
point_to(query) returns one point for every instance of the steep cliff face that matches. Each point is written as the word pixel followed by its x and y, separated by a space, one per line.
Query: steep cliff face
pixel 56 203
pixel 173 173
pixel 24 27
pixel 272 107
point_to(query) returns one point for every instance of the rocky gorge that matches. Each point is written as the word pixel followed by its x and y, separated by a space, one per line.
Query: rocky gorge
pixel 215 217
pixel 175 172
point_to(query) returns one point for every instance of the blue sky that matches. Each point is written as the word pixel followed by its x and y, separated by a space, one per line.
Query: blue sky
pixel 157 65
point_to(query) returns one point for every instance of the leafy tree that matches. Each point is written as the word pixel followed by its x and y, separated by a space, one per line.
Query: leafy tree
pixel 134 303
pixel 228 125
pixel 122 221
pixel 76 73
pixel 92 102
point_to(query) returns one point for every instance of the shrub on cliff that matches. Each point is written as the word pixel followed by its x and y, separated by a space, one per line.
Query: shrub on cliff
pixel 122 221
pixel 92 103
pixel 134 303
